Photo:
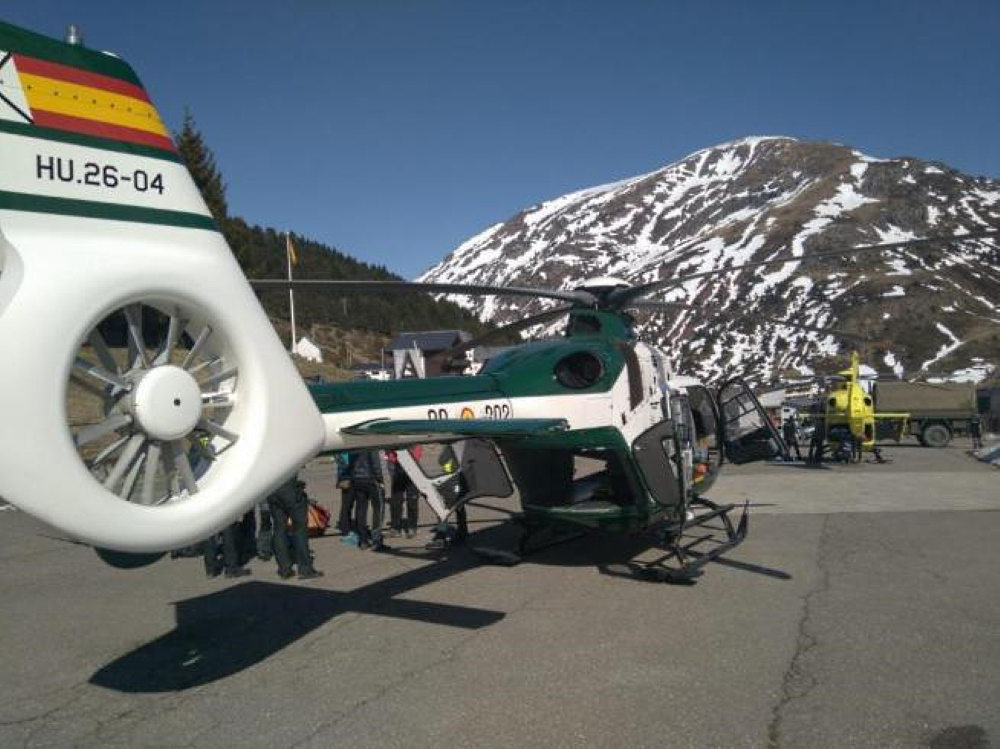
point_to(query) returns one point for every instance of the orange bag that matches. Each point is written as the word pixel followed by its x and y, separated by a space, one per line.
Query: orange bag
pixel 318 519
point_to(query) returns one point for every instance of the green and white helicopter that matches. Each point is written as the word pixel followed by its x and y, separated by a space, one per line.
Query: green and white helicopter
pixel 201 414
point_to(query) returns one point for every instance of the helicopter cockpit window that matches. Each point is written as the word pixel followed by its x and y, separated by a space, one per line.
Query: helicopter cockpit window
pixel 579 370
pixel 583 325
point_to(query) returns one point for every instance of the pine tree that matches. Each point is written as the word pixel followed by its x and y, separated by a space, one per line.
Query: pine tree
pixel 201 163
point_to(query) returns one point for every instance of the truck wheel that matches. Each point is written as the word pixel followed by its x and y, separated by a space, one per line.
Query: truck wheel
pixel 935 435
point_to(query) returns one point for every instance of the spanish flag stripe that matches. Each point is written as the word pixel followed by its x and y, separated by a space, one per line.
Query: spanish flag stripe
pixel 102 130
pixel 69 74
pixel 89 103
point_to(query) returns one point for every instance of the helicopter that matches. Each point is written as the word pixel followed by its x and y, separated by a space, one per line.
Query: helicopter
pixel 849 416
pixel 201 412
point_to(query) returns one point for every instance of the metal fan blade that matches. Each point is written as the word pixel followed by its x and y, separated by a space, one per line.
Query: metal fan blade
pixel 536 319
pixel 219 431
pixel 137 345
pixel 108 451
pixel 149 477
pixel 217 399
pixel 96 431
pixel 205 365
pixel 131 476
pixel 169 452
pixel 579 297
pixel 196 346
pixel 174 329
pixel 124 461
pixel 100 347
pixel 218 377
pixel 183 466
pixel 625 297
pixel 82 366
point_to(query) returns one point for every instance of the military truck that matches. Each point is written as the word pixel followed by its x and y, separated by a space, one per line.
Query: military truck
pixel 937 411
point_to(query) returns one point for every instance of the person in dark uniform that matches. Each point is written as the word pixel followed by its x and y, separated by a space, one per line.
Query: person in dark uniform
pixel 976 432
pixel 816 444
pixel 402 490
pixel 222 554
pixel 264 542
pixel 790 433
pixel 363 472
pixel 289 503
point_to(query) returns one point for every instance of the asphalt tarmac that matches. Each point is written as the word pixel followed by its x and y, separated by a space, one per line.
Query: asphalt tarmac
pixel 862 611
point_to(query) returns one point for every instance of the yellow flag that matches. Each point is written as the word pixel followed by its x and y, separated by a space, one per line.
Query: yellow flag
pixel 290 248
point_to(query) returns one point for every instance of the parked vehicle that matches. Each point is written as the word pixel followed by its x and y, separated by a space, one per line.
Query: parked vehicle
pixel 937 411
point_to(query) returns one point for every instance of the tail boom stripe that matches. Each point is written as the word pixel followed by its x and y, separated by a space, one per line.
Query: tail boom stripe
pixel 111 211
pixel 101 129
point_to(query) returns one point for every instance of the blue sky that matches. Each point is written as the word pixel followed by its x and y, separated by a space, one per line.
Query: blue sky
pixel 395 130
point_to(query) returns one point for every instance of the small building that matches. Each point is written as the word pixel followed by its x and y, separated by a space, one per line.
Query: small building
pixel 422 354
pixel 308 350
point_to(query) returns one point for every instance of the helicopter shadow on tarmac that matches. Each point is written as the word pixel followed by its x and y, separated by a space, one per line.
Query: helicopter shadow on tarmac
pixel 225 632
pixel 606 552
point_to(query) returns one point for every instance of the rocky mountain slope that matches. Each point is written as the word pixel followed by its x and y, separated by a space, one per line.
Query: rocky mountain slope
pixel 932 310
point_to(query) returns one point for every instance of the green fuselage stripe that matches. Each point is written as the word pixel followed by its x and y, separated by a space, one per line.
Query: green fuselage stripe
pixel 62 136
pixel 91 209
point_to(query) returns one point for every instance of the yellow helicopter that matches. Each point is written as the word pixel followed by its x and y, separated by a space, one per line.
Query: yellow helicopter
pixel 848 414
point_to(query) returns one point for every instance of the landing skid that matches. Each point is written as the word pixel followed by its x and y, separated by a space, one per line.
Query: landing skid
pixel 683 561
pixel 527 544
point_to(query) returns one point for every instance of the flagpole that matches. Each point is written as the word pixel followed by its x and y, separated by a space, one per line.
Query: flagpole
pixel 291 293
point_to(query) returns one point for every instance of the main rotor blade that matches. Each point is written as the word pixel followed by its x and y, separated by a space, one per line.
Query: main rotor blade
pixel 536 319
pixel 340 285
pixel 624 297
pixel 645 304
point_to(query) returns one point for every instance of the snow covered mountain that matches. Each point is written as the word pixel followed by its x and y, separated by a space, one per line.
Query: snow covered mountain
pixel 929 310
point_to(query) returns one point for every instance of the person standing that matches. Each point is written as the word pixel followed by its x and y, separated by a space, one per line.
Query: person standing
pixel 289 504
pixel 226 543
pixel 363 473
pixel 265 532
pixel 347 520
pixel 976 432
pixel 790 433
pixel 402 490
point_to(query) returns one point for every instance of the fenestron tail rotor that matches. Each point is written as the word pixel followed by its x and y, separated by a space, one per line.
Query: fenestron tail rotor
pixel 148 412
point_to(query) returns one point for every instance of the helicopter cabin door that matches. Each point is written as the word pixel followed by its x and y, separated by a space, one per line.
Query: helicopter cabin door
pixel 747 432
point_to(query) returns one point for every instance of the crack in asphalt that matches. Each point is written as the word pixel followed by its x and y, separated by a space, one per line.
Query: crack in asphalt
pixel 797 682
pixel 447 655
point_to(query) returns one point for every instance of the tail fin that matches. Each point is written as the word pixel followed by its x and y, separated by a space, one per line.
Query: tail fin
pixel 146 400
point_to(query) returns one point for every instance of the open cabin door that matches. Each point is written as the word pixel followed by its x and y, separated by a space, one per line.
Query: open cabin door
pixel 747 432
pixel 659 457
pixel 707 438
pixel 449 475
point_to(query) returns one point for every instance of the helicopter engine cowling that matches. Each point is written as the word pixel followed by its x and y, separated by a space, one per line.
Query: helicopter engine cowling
pixel 181 438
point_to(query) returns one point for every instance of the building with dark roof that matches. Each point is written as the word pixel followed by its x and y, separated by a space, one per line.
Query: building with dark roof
pixel 421 354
